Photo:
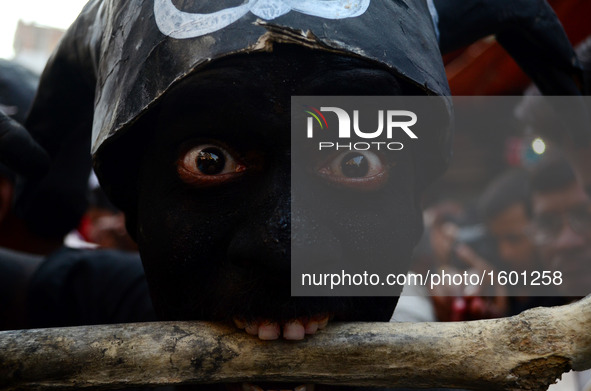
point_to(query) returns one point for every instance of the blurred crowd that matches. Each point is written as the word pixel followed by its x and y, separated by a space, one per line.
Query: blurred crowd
pixel 81 268
pixel 525 222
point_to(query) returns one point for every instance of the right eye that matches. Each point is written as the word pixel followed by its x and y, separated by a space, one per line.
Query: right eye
pixel 208 165
pixel 360 170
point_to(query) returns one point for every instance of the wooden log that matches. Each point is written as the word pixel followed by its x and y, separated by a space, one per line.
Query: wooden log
pixel 526 352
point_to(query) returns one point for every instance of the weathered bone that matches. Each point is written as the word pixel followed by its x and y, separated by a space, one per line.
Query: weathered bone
pixel 527 352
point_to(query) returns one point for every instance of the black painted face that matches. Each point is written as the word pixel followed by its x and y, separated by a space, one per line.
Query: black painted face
pixel 213 222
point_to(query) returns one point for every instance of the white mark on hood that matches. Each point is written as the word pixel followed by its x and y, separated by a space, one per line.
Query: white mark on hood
pixel 180 25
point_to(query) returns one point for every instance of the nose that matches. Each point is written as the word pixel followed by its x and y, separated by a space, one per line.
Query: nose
pixel 262 241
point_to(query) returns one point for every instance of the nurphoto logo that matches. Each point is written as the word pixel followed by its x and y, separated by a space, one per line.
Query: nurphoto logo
pixel 395 121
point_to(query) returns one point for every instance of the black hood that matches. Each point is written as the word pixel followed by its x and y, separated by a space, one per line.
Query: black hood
pixel 140 48
pixel 120 57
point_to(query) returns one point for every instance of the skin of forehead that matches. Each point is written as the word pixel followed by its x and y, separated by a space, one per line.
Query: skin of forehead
pixel 269 80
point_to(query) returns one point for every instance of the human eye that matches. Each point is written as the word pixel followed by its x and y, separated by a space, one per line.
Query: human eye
pixel 359 170
pixel 209 164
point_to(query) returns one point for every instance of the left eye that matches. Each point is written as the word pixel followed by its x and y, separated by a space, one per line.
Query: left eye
pixel 207 165
pixel 362 170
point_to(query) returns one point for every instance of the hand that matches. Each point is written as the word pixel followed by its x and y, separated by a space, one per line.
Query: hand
pixel 481 303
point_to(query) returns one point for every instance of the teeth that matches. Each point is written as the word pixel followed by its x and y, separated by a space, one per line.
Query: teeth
pixel 294 330
pixel 322 322
pixel 241 324
pixel 269 331
pixel 311 327
pixel 252 329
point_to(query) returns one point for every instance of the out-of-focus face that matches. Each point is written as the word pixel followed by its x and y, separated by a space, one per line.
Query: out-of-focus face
pixel 510 230
pixel 563 232
pixel 214 217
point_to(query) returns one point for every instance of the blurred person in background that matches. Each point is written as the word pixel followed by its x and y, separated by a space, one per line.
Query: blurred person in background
pixel 461 243
pixel 102 225
pixel 42 282
pixel 503 207
pixel 17 89
pixel 561 211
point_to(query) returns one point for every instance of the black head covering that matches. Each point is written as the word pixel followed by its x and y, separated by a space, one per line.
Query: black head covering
pixel 120 57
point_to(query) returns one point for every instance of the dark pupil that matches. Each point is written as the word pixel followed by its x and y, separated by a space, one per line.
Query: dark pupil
pixel 211 161
pixel 354 165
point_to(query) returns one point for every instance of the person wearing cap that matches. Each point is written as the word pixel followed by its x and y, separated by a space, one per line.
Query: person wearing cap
pixel 188 105
pixel 191 140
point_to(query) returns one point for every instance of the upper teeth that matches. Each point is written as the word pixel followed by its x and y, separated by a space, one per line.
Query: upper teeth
pixel 295 329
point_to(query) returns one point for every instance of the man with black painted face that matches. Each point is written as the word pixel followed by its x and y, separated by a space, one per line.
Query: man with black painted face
pixel 215 196
pixel 192 142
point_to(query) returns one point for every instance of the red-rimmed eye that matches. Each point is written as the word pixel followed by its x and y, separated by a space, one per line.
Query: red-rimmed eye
pixel 208 165
pixel 362 170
